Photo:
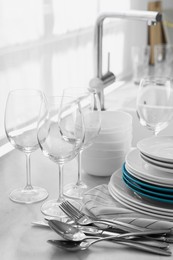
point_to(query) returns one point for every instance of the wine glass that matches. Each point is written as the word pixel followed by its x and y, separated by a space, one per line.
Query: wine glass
pixel 90 105
pixel 60 135
pixel 140 61
pixel 163 59
pixel 155 103
pixel 21 117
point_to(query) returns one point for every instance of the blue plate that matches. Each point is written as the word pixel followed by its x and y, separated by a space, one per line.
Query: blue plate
pixel 145 184
pixel 146 191
pixel 143 194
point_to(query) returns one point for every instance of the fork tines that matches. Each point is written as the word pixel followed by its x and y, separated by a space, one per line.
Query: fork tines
pixel 70 210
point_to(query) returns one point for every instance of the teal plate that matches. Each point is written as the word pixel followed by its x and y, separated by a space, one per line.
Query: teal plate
pixel 143 184
pixel 149 192
pixel 145 194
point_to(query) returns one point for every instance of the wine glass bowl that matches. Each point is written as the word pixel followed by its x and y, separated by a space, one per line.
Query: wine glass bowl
pixel 155 103
pixel 21 117
pixel 60 135
pixel 91 116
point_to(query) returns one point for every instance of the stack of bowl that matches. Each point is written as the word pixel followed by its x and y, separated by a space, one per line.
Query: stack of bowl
pixel 108 151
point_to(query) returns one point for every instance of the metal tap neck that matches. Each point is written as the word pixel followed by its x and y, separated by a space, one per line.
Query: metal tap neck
pixel 109 78
pixel 148 16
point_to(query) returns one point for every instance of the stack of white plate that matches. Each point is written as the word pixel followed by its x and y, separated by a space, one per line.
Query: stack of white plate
pixel 158 151
pixel 108 151
pixel 146 185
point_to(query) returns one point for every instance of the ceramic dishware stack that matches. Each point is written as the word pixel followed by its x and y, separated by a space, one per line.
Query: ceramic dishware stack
pixel 145 182
pixel 110 147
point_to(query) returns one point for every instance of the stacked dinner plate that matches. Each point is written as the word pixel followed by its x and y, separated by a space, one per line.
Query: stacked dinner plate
pixel 145 182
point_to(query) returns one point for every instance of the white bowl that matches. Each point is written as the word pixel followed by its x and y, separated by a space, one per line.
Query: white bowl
pixel 115 146
pixel 101 166
pixel 114 136
pixel 91 152
pixel 113 120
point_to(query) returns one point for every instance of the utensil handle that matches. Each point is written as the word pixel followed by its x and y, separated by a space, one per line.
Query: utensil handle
pixel 147 248
pixel 135 244
pixel 120 225
pixel 131 228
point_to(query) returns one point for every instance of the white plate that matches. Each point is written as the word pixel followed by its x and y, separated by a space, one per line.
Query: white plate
pixel 156 163
pixel 136 175
pixel 122 191
pixel 139 209
pixel 141 168
pixel 157 147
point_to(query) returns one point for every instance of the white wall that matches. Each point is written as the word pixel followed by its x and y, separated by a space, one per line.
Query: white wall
pixel 167 4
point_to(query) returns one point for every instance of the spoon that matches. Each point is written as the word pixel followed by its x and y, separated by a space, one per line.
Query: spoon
pixel 83 245
pixel 72 233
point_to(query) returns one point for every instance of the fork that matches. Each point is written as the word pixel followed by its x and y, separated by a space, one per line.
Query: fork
pixel 83 219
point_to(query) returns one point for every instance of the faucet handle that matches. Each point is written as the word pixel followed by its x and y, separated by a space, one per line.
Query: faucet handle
pixel 108 62
pixel 108 78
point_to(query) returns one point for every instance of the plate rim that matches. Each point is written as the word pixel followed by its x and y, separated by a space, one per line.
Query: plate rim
pixel 128 197
pixel 142 178
pixel 141 193
pixel 142 183
pixel 155 165
pixel 149 140
pixel 141 171
pixel 159 162
pixel 137 209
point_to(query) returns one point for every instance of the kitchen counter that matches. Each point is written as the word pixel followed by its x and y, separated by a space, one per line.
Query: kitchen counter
pixel 19 240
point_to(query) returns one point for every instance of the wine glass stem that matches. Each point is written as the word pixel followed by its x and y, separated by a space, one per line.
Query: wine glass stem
pixel 28 172
pixel 61 197
pixel 79 167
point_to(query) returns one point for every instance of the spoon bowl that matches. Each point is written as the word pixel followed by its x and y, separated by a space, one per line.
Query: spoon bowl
pixel 67 245
pixel 66 231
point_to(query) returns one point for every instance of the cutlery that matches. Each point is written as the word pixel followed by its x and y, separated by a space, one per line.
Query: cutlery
pixel 40 223
pixel 77 246
pixel 93 230
pixel 72 233
pixel 83 219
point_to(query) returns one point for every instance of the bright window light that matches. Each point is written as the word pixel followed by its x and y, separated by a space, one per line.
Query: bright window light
pixel 48 44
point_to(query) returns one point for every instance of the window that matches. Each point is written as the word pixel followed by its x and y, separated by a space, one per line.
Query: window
pixel 48 44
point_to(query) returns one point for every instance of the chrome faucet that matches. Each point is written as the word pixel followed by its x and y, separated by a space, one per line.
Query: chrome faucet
pixel 101 81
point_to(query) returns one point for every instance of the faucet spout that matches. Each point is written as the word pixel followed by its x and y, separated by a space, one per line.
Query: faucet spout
pixel 108 78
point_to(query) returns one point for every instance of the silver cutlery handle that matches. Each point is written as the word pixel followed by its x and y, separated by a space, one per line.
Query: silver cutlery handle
pixel 123 226
pixel 140 246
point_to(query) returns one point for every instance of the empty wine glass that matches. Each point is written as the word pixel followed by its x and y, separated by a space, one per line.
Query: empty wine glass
pixel 90 105
pixel 21 117
pixel 60 135
pixel 140 61
pixel 163 60
pixel 155 103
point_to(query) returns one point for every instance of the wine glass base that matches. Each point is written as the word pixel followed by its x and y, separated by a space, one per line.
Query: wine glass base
pixel 28 196
pixel 51 208
pixel 75 191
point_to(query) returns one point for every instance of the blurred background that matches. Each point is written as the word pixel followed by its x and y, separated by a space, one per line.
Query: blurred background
pixel 48 44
